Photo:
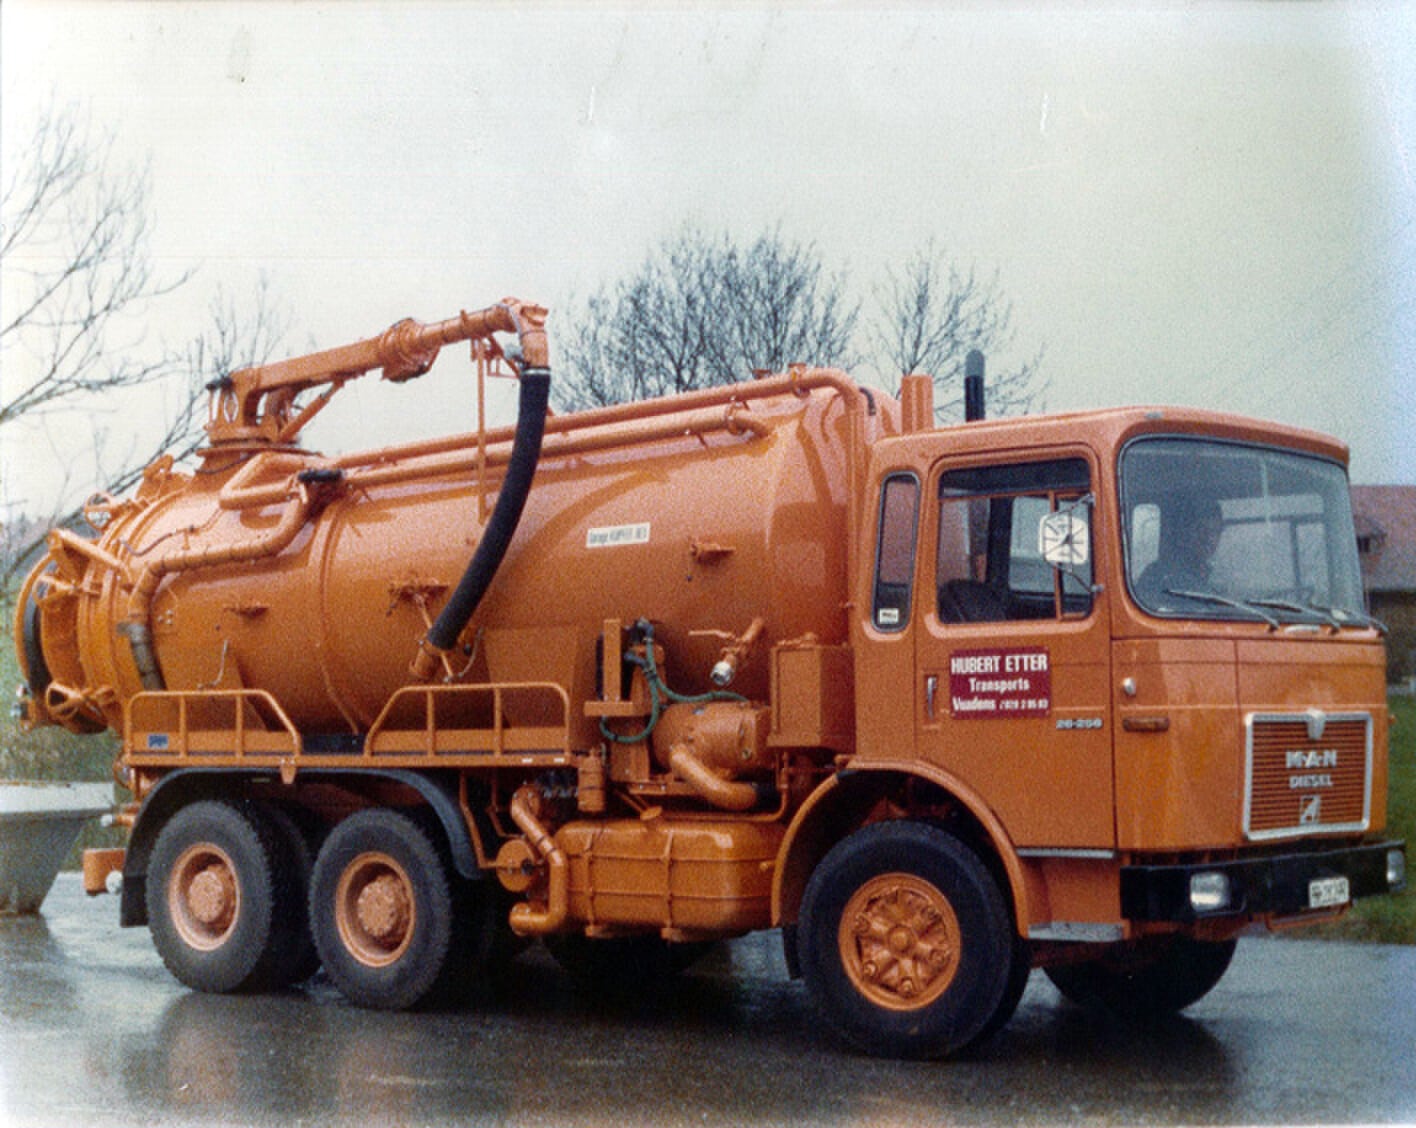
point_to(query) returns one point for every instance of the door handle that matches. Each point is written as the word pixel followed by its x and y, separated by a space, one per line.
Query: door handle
pixel 931 688
pixel 1146 724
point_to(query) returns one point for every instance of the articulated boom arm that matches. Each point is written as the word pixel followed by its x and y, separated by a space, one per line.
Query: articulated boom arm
pixel 257 404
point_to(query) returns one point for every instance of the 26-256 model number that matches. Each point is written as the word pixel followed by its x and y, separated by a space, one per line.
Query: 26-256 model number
pixel 1069 723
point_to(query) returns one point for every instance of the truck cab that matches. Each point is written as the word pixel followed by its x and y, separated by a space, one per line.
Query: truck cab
pixel 1138 652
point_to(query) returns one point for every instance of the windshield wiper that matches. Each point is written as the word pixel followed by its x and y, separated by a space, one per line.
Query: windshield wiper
pixel 1325 613
pixel 1336 617
pixel 1225 601
pixel 1358 619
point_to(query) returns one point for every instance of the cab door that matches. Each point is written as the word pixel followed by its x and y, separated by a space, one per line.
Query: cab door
pixel 1013 654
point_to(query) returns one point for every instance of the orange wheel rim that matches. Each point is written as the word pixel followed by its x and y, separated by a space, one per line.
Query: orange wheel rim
pixel 900 942
pixel 204 896
pixel 375 910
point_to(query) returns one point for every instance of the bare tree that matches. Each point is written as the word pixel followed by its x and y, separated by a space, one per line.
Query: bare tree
pixel 702 310
pixel 778 307
pixel 237 335
pixel 79 292
pixel 76 265
pixel 931 314
pixel 647 334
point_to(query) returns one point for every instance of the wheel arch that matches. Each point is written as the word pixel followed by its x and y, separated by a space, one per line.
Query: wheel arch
pixel 189 785
pixel 852 798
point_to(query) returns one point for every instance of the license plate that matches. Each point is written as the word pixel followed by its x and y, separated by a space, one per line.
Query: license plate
pixel 1325 892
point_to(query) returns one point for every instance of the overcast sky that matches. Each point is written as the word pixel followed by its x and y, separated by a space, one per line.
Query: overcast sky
pixel 1208 204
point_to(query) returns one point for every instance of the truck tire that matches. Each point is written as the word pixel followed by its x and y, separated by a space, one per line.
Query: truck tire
pixel 1149 979
pixel 215 895
pixel 905 942
pixel 1019 972
pixel 383 912
pixel 298 959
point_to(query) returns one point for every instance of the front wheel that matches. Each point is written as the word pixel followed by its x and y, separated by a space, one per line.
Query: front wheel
pixel 905 941
pixel 1149 979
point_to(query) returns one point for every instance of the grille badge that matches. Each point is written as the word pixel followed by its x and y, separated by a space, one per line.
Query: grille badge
pixel 1317 722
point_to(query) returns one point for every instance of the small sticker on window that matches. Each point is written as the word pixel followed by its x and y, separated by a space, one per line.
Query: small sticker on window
pixel 888 617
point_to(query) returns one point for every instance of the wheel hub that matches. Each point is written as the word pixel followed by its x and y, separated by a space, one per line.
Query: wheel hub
pixel 211 897
pixel 204 896
pixel 900 941
pixel 375 911
pixel 383 910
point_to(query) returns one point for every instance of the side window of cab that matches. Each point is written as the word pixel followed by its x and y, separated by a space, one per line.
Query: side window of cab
pixel 895 552
pixel 1015 542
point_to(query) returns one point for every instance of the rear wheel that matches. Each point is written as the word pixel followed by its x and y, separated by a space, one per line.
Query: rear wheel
pixel 1151 978
pixel 905 942
pixel 383 912
pixel 214 895
pixel 297 958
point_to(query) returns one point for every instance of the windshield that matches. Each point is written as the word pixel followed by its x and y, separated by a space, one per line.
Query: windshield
pixel 1224 531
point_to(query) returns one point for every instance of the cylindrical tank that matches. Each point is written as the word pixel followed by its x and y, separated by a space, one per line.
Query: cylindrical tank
pixel 701 520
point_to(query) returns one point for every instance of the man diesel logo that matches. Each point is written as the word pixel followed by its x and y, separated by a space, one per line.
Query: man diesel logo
pixel 1306 768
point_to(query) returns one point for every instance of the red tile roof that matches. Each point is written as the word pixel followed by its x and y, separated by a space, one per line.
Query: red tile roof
pixel 1386 518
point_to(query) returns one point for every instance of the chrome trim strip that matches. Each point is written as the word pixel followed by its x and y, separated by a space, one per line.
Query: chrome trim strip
pixel 1077 932
pixel 1063 852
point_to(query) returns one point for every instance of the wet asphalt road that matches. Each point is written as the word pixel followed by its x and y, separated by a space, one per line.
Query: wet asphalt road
pixel 94 1031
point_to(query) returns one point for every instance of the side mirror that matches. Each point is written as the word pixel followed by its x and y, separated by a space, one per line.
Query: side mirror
pixel 1063 539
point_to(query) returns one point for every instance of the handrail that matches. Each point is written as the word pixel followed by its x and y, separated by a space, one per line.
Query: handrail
pixel 498 731
pixel 183 699
pixel 164 717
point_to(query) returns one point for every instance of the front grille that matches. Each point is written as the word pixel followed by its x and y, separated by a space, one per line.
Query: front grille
pixel 1307 773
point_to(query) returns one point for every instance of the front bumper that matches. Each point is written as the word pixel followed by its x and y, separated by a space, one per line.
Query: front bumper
pixel 1269 885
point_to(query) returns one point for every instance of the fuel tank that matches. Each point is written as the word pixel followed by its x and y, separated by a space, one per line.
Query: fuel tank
pixel 315 578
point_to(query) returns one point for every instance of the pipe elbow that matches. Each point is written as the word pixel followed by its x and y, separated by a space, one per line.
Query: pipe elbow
pixel 729 795
pixel 531 920
pixel 529 322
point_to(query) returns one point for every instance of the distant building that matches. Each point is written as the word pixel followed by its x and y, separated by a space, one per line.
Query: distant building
pixel 1386 546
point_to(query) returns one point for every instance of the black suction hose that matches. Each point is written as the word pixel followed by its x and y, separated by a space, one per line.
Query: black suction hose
pixel 506 514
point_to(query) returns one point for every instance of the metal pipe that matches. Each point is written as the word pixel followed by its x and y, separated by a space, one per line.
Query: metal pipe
pixel 727 794
pixel 973 386
pixel 730 395
pixel 253 404
pixel 526 920
pixel 136 626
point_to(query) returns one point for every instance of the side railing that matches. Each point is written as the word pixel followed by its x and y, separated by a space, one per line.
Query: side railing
pixel 174 727
pixel 500 724
pixel 411 725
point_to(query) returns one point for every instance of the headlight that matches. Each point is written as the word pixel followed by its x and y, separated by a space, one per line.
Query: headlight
pixel 1396 869
pixel 1209 892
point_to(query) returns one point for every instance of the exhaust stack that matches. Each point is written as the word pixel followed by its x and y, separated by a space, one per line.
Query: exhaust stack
pixel 973 386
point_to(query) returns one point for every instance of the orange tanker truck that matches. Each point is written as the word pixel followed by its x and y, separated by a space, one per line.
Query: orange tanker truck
pixel 1094 692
